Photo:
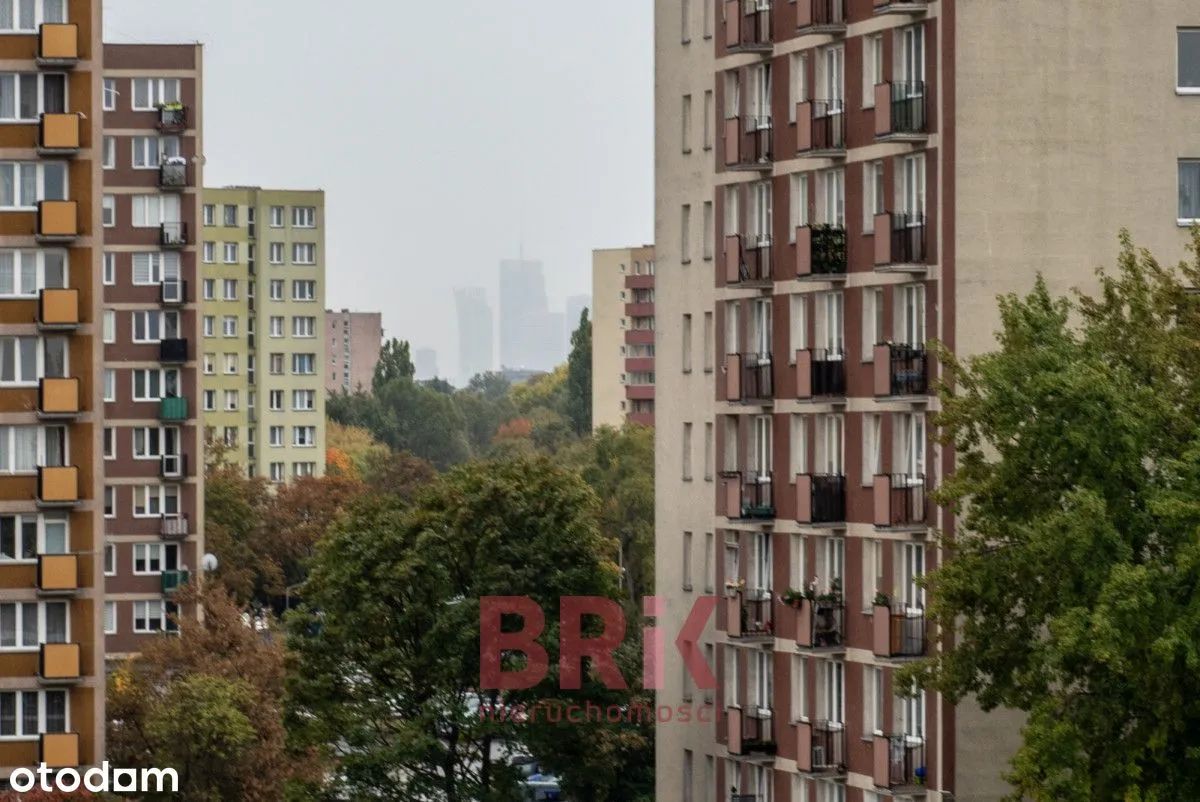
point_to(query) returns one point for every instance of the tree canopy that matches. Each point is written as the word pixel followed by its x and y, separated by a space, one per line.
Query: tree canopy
pixel 395 362
pixel 579 378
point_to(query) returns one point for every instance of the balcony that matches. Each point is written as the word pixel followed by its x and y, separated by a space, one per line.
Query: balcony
pixel 58 398
pixel 900 502
pixel 820 374
pixel 173 351
pixel 748 261
pixel 173 466
pixel 174 580
pixel 58 45
pixel 58 574
pixel 748 143
pixel 59 135
pixel 58 309
pixel 748 379
pixel 909 7
pixel 821 129
pixel 821 252
pixel 750 613
pixel 748 26
pixel 821 747
pixel 820 499
pixel 57 486
pixel 901 112
pixel 173 527
pixel 899 764
pixel 173 175
pixel 57 221
pixel 897 633
pixel 173 408
pixel 751 733
pixel 900 243
pixel 173 235
pixel 173 292
pixel 821 16
pixel 59 750
pixel 172 118
pixel 748 497
pixel 60 663
pixel 900 370
pixel 821 623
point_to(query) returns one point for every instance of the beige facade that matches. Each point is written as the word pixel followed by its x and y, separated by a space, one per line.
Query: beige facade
pixel 943 153
pixel 609 267
pixel 263 346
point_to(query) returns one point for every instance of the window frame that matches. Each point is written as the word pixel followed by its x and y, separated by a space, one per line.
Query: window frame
pixel 1180 32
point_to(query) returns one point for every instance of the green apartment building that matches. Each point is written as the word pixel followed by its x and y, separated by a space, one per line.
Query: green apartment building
pixel 262 347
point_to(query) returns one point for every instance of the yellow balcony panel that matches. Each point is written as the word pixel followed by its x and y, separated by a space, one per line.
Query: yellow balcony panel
pixel 58 485
pixel 58 397
pixel 59 133
pixel 58 573
pixel 58 44
pixel 60 662
pixel 60 750
pixel 57 220
pixel 58 308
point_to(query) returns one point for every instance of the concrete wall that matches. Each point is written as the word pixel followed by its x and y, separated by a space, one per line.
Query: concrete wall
pixel 608 361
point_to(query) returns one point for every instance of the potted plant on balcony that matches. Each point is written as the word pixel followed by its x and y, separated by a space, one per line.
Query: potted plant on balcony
pixel 792 597
pixel 882 600
pixel 734 586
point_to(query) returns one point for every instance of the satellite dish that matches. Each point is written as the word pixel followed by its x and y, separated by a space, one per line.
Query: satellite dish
pixel 209 562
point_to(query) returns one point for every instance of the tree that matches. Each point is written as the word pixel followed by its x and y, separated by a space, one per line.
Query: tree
pixel 547 390
pixel 389 700
pixel 1072 582
pixel 484 411
pixel 395 362
pixel 491 385
pixel 356 442
pixel 440 385
pixel 397 473
pixel 208 703
pixel 425 422
pixel 579 378
pixel 234 508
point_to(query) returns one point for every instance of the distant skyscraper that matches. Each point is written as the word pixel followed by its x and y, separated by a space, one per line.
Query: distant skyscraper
pixel 475 333
pixel 526 340
pixel 425 361
pixel 575 306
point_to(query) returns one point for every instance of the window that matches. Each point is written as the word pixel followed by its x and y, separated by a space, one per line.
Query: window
pixel 912 717
pixel 154 616
pixel 304 364
pixel 210 214
pixel 150 151
pixel 1188 81
pixel 152 327
pixel 687 343
pixel 799 676
pixel 23 184
pixel 210 400
pixel 873 709
pixel 910 189
pixel 304 217
pixel 910 61
pixel 231 400
pixel 685 234
pixel 154 558
pixel 760 96
pixel 709 348
pixel 275 253
pixel 304 290
pixel 797 326
pixel 303 400
pixel 798 562
pixel 24 273
pixel 231 364
pixel 304 253
pixel 760 215
pixel 707 230
pixel 275 364
pixel 110 269
pixel 686 115
pixel 229 214
pixel 276 471
pixel 110 384
pixel 229 289
pixel 110 326
pixel 152 501
pixel 110 618
pixel 276 217
pixel 872 568
pixel 25 96
pixel 24 537
pixel 304 326
pixel 230 436
pixel 304 436
pixel 19 361
pixel 110 152
pixel 28 714
pixel 872 448
pixel 152 385
pixel 209 362
pixel 208 253
pixel 799 203
pixel 1189 189
pixel 872 68
pixel 830 445
pixel 687 452
pixel 231 253
pixel 830 324
pixel 210 326
pixel 108 211
pixel 910 447
pixel 151 211
pixel 276 436
pixel 110 511
pixel 799 83
pixel 149 93
pixel 685 8
pixel 275 400
pixel 831 200
pixel 873 198
pixel 229 326
pixel 762 445
pixel 110 443
pixel 209 289
pixel 708 119
pixel 155 268
pixel 799 446
pixel 832 678
pixel 276 289
pixel 872 321
pixel 110 91
pixel 910 315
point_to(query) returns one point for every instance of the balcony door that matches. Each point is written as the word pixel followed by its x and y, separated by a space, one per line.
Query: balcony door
pixel 833 693
pixel 733 218
pixel 831 325
pixel 764 682
pixel 171 441
pixel 832 79
pixel 832 198
pixel 910 446
pixel 761 215
pixel 831 445
pixel 732 676
pixel 910 189
pixel 912 718
pixel 762 330
pixel 760 579
pixel 733 94
pixel 733 560
pixel 832 559
pixel 912 568
pixel 54 446
pixel 910 61
pixel 762 448
pixel 760 98
pixel 910 315
pixel 733 329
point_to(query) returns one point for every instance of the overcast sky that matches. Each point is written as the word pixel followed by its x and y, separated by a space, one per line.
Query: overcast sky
pixel 443 133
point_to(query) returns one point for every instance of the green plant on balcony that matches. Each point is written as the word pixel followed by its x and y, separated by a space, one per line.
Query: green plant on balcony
pixel 881 599
pixel 172 106
pixel 834 595
pixel 828 248
pixel 792 597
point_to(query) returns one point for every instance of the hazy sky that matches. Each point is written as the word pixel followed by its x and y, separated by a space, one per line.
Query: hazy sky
pixel 443 133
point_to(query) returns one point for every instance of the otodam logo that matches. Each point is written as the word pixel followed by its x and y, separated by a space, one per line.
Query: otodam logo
pixel 573 646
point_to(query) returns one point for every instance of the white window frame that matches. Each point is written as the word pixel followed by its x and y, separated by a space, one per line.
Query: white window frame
pixel 158 91
pixel 40 170
pixel 304 253
pixel 831 63
pixel 110 95
pixel 761 215
pixel 304 217
pixel 309 293
pixel 909 59
pixel 43 726
pixel 911 446
pixel 1182 33
pixel 830 450
pixel 832 692
pixel 26 274
pixel 309 404
pixel 872 461
pixel 798 79
pixel 798 437
pixel 151 554
pixel 910 315
pixel 152 211
pixel 874 200
pixel 797 325
pixel 148 152
pixel 147 497
pixel 872 67
pixel 910 187
pixel 831 197
pixel 1189 182
pixel 911 566
pixel 831 324
pixel 873 707
pixel 798 183
pixel 872 322
pixel 872 568
pixel 275 216
pixel 763 445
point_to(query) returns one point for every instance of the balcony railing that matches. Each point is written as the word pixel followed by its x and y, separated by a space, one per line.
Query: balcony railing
pixel 748 260
pixel 174 580
pixel 901 110
pixel 748 496
pixel 901 244
pixel 173 292
pixel 900 501
pixel 821 251
pixel 59 750
pixel 57 220
pixel 749 377
pixel 898 632
pixel 748 142
pixel 821 747
pixel 172 117
pixel 173 351
pixel 58 574
pixel 174 527
pixel 821 622
pixel 821 16
pixel 900 370
pixel 173 408
pixel 173 175
pixel 173 234
pixel 820 498
pixel 751 614
pixel 748 25
pixel 758 731
pixel 899 762
pixel 59 663
pixel 820 373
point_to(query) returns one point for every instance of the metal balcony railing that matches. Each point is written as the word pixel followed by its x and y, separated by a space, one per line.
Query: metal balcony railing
pixel 828 747
pixel 908 371
pixel 900 500
pixel 909 244
pixel 757 377
pixel 829 125
pixel 757 611
pixel 909 108
pixel 828 373
pixel 750 496
pixel 828 498
pixel 758 731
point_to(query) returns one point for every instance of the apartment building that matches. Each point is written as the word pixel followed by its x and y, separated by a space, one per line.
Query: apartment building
pixel 623 336
pixel 262 353
pixel 152 445
pixel 839 182
pixel 354 339
pixel 51 485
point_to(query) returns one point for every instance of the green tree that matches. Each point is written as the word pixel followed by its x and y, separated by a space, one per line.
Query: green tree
pixel 407 416
pixel 547 390
pixel 389 700
pixel 395 362
pixel 579 378
pixel 491 385
pixel 1072 584
pixel 484 412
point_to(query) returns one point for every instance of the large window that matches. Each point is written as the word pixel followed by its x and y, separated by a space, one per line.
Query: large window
pixel 26 625
pixel 24 273
pixel 24 448
pixel 23 184
pixel 24 96
pixel 1188 80
pixel 150 93
pixel 24 16
pixel 152 385
pixel 150 151
pixel 154 616
pixel 1189 190
pixel 155 268
pixel 24 537
pixel 151 211
pixel 27 714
